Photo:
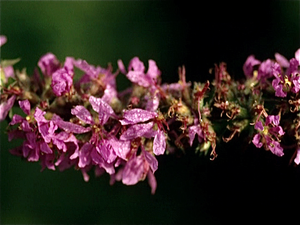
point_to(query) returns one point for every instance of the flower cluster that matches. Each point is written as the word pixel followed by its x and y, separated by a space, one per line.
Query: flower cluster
pixel 73 115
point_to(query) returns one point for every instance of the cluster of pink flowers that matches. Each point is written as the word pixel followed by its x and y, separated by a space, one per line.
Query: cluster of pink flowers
pixel 84 122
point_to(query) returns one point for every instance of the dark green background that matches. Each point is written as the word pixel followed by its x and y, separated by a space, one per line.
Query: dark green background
pixel 242 184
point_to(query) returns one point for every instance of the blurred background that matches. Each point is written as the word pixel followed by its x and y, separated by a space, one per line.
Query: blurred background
pixel 241 184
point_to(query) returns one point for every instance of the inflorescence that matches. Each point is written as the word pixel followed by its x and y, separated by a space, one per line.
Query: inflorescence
pixel 72 114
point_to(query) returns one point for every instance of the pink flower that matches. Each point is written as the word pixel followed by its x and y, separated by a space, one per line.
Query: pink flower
pixel 265 70
pixel 62 82
pixel 248 66
pixel 297 158
pixel 137 115
pixel 33 146
pixel 3 40
pixel 297 56
pixel 286 80
pixel 136 72
pixel 62 79
pixel 193 130
pixel 6 106
pixel 99 151
pixel 48 64
pixel 103 109
pixel 269 135
pixel 136 118
pixel 138 167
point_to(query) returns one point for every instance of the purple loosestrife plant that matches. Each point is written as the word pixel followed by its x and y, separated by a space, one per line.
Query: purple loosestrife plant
pixel 85 123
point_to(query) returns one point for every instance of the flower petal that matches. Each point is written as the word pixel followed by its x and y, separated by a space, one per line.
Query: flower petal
pixel 121 66
pixel 256 141
pixel 139 78
pixel 83 114
pixel 62 81
pixel 137 115
pixel 6 106
pixel 106 150
pixel 151 160
pixel 259 126
pixel 68 126
pixel 275 148
pixel 121 148
pixel 153 71
pixel 84 155
pixel 249 64
pixel 134 170
pixel 152 182
pixel 44 147
pixel 25 106
pixel 193 130
pixel 136 64
pixel 274 119
pixel 282 61
pixel 297 56
pixel 138 130
pixel 3 40
pixel 102 108
pixel 90 70
pixel 159 143
pixel 48 64
pixel 297 158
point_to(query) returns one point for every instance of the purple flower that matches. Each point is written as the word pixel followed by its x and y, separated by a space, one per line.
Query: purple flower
pixel 159 143
pixel 103 109
pixel 46 128
pixel 297 56
pixel 291 65
pixel 139 130
pixel 152 102
pixel 265 70
pixel 92 154
pixel 48 64
pixel 288 82
pixel 48 131
pixel 138 167
pixel 62 82
pixel 33 146
pixel 68 126
pixel 3 40
pixel 25 106
pixel 8 72
pixel 193 130
pixel 136 118
pixel 90 70
pixel 248 66
pixel 6 106
pixel 297 158
pixel 99 151
pixel 269 135
pixel 137 115
pixel 295 78
pixel 274 146
pixel 281 60
pixel 83 114
pixel 135 170
pixel 256 141
pixel 136 72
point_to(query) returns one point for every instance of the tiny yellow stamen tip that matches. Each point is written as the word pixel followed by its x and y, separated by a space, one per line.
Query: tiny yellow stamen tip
pixel 287 82
pixel 265 131
pixel 255 73
pixel 27 118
